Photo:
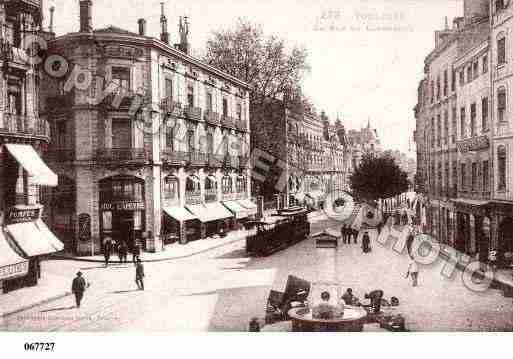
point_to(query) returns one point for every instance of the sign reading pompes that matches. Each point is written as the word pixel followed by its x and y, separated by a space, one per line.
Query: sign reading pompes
pixel 122 206
pixel 14 270
pixel 16 215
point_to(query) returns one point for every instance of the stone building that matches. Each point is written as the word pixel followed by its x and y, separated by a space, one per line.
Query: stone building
pixel 24 136
pixel 153 149
pixel 453 122
pixel 364 141
pixel 307 156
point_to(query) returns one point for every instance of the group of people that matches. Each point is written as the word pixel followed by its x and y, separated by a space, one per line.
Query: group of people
pixel 347 233
pixel 109 246
pixel 79 284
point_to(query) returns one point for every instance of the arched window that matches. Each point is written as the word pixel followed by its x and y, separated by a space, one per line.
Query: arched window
pixel 501 168
pixel 171 187
pixel 226 184
pixel 210 189
pixel 240 185
pixel 501 105
pixel 192 185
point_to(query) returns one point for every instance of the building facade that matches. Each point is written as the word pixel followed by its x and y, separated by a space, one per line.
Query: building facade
pixel 454 122
pixel 366 140
pixel 307 157
pixel 24 136
pixel 154 150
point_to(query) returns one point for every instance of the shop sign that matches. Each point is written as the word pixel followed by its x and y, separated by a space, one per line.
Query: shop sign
pixel 84 227
pixel 16 215
pixel 14 270
pixel 122 206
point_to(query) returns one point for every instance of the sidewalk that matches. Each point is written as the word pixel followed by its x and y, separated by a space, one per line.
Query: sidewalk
pixel 173 251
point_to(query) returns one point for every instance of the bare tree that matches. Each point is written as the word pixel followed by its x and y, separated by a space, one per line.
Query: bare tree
pixel 263 62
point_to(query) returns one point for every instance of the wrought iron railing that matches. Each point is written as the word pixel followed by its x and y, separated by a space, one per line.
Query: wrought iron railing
pixel 23 125
pixel 192 197
pixel 171 107
pixel 174 157
pixel 193 113
pixel 122 154
pixel 211 117
pixel 227 121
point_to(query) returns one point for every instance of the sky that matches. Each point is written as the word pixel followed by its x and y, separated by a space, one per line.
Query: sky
pixel 366 56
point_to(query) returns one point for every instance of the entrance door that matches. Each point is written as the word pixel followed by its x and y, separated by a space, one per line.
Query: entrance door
pixel 122 227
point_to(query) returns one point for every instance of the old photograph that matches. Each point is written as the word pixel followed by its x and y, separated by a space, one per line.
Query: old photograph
pixel 255 166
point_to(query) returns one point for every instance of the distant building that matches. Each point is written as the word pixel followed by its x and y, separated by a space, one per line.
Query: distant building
pixel 405 163
pixel 364 141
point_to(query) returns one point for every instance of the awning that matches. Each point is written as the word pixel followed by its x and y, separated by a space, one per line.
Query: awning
pixel 30 239
pixel 29 159
pixel 217 211
pixel 470 202
pixel 11 263
pixel 236 208
pixel 249 205
pixel 179 213
pixel 50 237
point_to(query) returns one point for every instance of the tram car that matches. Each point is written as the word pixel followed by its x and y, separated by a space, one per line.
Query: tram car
pixel 278 232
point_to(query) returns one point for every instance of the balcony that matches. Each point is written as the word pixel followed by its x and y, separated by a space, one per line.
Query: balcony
pixel 23 126
pixel 243 161
pixel 231 161
pixel 10 53
pixel 215 161
pixel 475 143
pixel 211 118
pixel 227 121
pixel 122 155
pixel 197 159
pixel 60 155
pixel 171 107
pixel 178 158
pixel 192 113
pixel 124 100
pixel 241 125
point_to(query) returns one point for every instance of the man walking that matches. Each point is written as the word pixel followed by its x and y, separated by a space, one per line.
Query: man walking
pixel 123 251
pixel 343 232
pixel 413 271
pixel 136 252
pixel 107 248
pixel 366 242
pixel 78 288
pixel 139 274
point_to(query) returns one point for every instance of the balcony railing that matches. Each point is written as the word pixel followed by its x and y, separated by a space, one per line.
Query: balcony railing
pixel 231 161
pixel 192 197
pixel 227 121
pixel 174 157
pixel 193 113
pixel 215 160
pixel 241 125
pixel 23 125
pixel 122 154
pixel 211 117
pixel 243 161
pixel 171 107
pixel 198 158
pixel 11 53
pixel 60 155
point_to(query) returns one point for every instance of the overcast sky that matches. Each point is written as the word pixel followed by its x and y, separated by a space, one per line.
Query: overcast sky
pixel 367 67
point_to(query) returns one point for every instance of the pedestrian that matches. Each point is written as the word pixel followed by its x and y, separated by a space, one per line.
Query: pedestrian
pixel 136 252
pixel 122 251
pixel 366 243
pixel 355 234
pixel 375 297
pixel 343 232
pixel 139 274
pixel 107 248
pixel 78 288
pixel 409 241
pixel 413 272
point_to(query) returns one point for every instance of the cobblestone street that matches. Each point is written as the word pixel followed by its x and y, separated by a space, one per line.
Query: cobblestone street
pixel 222 289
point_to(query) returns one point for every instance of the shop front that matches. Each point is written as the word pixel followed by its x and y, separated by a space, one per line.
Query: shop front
pixel 214 217
pixel 122 210
pixel 239 212
pixel 180 225
pixel 31 240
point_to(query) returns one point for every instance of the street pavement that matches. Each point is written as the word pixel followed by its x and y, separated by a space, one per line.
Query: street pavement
pixel 222 289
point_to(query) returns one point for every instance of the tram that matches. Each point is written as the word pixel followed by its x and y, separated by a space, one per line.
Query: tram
pixel 278 232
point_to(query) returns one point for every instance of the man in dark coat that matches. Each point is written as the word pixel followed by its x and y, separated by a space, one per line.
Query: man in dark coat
pixel 375 297
pixel 107 248
pixel 139 274
pixel 355 235
pixel 343 232
pixel 366 242
pixel 123 251
pixel 78 288
pixel 136 252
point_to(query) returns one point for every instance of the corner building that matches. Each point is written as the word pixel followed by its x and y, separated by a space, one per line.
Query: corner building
pixel 154 151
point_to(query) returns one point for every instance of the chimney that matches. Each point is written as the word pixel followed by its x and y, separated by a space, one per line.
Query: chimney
pixel 164 35
pixel 86 17
pixel 52 10
pixel 183 29
pixel 142 27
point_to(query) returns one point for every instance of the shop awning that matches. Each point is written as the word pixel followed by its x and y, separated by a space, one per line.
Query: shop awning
pixel 30 239
pixel 11 263
pixel 179 213
pixel 200 211
pixel 29 159
pixel 247 203
pixel 50 237
pixel 470 202
pixel 217 211
pixel 236 209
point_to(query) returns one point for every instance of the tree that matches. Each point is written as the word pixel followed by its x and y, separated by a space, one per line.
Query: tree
pixel 378 177
pixel 263 62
